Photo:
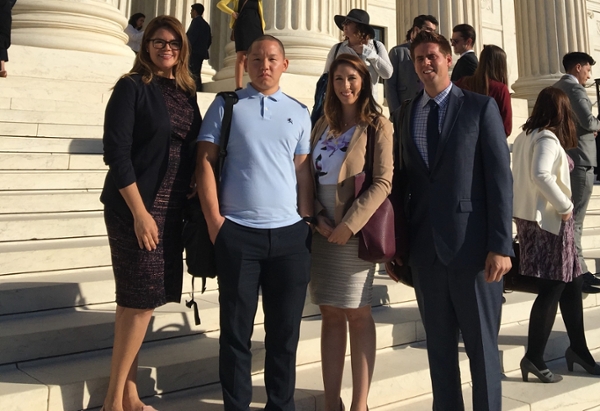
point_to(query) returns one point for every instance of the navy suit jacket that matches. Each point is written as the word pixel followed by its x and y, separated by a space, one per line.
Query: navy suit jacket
pixel 461 208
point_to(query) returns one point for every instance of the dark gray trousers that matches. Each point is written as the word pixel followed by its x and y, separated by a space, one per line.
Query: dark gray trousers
pixel 453 301
pixel 582 183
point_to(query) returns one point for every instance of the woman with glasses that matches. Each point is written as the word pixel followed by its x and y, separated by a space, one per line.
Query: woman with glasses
pixel 341 284
pixel 248 24
pixel 491 79
pixel 360 41
pixel 151 119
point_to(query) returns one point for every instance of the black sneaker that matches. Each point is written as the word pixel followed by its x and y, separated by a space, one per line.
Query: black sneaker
pixel 590 279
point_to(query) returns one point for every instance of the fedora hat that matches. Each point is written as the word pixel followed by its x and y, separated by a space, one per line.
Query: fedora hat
pixel 358 16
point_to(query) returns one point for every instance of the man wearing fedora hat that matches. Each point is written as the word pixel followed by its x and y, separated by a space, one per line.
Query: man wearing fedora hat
pixel 360 41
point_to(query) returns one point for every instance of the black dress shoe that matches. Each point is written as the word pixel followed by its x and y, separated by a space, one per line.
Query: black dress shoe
pixel 572 358
pixel 589 289
pixel 590 279
pixel 544 375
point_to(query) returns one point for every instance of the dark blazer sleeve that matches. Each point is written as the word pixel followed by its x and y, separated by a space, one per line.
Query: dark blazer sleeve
pixel 498 179
pixel 465 66
pixel 391 84
pixel 119 123
pixel 193 34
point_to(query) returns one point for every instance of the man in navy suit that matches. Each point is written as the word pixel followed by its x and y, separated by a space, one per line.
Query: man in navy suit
pixel 454 173
pixel 200 38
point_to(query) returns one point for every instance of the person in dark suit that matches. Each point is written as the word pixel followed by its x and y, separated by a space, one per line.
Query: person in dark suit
pixel 200 38
pixel 578 67
pixel 404 83
pixel 453 170
pixel 5 27
pixel 463 40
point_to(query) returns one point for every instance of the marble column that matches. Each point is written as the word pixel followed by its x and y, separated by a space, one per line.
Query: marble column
pixel 307 30
pixel 86 25
pixel 546 31
pixel 448 12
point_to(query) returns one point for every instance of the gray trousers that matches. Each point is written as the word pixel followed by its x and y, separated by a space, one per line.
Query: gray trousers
pixel 582 183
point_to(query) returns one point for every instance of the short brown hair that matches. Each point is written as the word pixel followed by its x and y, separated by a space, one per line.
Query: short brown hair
pixel 430 37
pixel 368 109
pixel 552 111
pixel 144 66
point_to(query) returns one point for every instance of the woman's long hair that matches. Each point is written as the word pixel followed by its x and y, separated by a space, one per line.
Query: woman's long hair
pixel 552 111
pixel 144 66
pixel 367 107
pixel 492 65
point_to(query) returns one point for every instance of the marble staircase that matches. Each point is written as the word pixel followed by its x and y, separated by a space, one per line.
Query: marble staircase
pixel 57 292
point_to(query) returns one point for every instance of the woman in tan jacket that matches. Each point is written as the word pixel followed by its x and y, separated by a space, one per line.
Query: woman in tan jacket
pixel 341 284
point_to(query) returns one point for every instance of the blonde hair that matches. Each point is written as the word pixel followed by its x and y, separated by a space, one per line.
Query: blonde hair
pixel 144 66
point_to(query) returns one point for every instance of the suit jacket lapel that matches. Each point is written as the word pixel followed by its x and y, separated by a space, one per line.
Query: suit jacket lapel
pixel 455 101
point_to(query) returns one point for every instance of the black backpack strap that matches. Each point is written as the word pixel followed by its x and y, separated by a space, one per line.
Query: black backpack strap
pixel 230 98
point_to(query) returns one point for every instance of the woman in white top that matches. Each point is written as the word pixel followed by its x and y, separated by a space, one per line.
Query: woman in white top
pixel 543 213
pixel 360 41
pixel 134 31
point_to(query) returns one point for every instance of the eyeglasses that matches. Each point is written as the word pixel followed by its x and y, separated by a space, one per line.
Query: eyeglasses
pixel 161 44
pixel 454 41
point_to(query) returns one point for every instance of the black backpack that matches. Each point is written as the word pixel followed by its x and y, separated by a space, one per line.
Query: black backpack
pixel 199 250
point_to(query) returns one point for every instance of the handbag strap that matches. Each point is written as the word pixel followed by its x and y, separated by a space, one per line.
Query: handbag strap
pixel 230 98
pixel 370 152
pixel 242 8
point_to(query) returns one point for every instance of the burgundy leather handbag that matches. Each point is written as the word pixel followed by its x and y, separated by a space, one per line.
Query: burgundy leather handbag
pixel 376 240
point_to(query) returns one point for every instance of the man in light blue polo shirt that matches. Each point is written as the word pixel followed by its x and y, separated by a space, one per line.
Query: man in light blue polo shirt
pixel 258 224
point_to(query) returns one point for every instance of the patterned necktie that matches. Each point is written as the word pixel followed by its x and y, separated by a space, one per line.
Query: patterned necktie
pixel 433 134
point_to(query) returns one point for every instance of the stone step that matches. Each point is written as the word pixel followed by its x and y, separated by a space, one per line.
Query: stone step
pixel 590 238
pixel 26 336
pixel 51 180
pixel 577 391
pixel 30 292
pixel 52 145
pixel 50 130
pixel 33 104
pixel 48 255
pixel 12 202
pixel 592 218
pixel 63 90
pixel 20 227
pixel 80 380
pixel 51 161
pixel 84 326
pixel 43 116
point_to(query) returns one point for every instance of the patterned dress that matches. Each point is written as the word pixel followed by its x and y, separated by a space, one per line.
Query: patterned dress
pixel 148 279
pixel 546 255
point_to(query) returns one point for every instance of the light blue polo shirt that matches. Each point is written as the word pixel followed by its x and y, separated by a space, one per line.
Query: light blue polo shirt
pixel 258 184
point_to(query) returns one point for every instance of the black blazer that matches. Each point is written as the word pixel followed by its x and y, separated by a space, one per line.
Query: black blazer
pixel 465 66
pixel 200 37
pixel 461 208
pixel 137 134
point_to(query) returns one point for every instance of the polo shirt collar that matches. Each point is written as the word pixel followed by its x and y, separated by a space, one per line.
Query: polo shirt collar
pixel 253 93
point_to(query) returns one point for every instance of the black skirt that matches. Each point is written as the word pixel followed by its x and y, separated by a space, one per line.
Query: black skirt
pixel 248 26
